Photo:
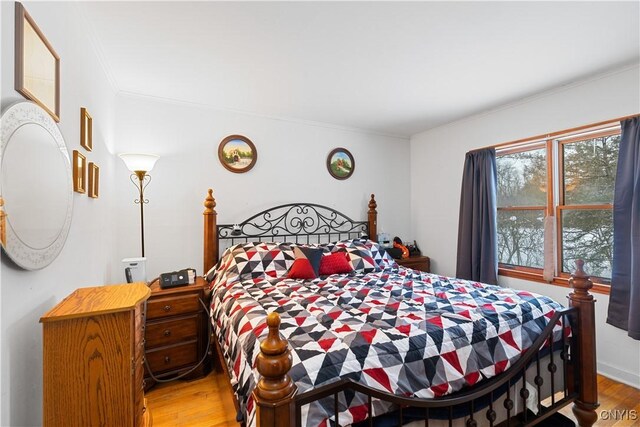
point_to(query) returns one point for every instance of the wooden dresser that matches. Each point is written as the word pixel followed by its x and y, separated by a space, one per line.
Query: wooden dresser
pixel 421 263
pixel 177 331
pixel 93 358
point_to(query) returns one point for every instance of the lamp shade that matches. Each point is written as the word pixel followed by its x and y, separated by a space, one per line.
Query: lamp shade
pixel 139 162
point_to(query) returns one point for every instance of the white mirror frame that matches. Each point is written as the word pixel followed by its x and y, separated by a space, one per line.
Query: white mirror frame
pixel 23 255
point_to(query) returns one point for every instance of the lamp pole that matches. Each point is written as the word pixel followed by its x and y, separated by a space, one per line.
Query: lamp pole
pixel 140 165
pixel 141 175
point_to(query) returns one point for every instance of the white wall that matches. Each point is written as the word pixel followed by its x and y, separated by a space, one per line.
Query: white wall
pixel 87 255
pixel 437 158
pixel 291 167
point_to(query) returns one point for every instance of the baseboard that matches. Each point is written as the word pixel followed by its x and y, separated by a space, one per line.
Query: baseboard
pixel 629 378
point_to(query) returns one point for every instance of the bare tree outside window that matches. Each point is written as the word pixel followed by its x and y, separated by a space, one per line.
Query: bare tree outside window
pixel 521 199
pixel 589 167
pixel 585 183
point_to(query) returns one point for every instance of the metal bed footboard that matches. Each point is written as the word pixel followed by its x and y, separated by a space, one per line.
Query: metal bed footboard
pixel 466 402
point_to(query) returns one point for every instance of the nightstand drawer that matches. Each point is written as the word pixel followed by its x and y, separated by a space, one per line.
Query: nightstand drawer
pixel 176 332
pixel 416 262
pixel 172 331
pixel 163 307
pixel 176 356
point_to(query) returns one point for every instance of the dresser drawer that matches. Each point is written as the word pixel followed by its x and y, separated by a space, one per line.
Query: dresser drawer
pixel 172 331
pixel 139 317
pixel 163 307
pixel 173 357
pixel 138 332
pixel 138 390
pixel 138 376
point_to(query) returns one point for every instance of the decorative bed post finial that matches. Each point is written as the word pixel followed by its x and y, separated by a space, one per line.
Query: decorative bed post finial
pixel 373 219
pixel 275 390
pixel 372 204
pixel 210 202
pixel 210 232
pixel 584 326
pixel 581 282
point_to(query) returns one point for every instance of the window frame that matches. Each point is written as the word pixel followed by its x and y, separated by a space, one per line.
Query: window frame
pixel 521 148
pixel 563 206
pixel 553 143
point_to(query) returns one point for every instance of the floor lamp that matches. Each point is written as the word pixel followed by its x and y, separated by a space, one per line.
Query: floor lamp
pixel 140 165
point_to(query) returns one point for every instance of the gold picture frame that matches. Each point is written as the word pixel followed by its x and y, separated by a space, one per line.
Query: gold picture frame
pixel 86 129
pixel 79 172
pixel 94 181
pixel 37 65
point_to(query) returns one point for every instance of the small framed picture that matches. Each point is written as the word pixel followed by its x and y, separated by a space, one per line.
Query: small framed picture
pixel 37 65
pixel 79 172
pixel 86 129
pixel 237 153
pixel 94 181
pixel 340 163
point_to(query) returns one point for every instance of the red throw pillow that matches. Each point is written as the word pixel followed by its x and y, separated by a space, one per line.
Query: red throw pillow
pixel 301 269
pixel 336 263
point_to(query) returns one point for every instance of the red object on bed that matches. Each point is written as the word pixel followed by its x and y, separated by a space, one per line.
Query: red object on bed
pixel 336 263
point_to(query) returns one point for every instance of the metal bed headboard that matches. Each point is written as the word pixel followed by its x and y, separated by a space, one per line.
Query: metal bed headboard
pixel 292 222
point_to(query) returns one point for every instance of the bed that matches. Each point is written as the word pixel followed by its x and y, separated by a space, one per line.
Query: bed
pixel 383 344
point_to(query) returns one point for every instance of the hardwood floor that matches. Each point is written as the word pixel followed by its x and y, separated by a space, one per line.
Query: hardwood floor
pixel 208 402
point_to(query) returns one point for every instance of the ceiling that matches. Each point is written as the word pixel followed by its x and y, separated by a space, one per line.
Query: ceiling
pixel 394 68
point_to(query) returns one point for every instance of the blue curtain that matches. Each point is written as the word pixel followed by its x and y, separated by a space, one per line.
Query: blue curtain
pixel 477 233
pixel 624 300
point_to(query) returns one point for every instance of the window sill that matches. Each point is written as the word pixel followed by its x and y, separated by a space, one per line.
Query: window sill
pixel 598 288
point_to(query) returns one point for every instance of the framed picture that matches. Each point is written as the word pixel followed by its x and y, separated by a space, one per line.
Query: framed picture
pixel 37 65
pixel 340 163
pixel 94 181
pixel 86 129
pixel 237 153
pixel 79 172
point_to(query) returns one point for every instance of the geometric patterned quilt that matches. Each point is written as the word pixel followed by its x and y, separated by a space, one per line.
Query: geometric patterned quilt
pixel 399 330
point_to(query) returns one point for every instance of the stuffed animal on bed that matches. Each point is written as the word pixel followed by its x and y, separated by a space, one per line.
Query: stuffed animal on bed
pixel 397 243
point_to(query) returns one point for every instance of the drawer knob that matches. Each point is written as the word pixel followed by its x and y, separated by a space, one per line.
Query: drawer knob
pixel 167 332
pixel 167 307
pixel 167 359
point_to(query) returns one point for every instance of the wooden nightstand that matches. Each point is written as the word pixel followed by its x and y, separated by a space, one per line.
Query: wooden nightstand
pixel 176 331
pixel 421 263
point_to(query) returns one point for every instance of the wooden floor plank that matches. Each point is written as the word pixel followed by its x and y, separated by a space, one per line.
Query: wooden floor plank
pixel 208 402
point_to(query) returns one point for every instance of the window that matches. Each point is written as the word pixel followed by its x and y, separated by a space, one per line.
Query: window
pixel 522 206
pixel 585 207
pixel 570 177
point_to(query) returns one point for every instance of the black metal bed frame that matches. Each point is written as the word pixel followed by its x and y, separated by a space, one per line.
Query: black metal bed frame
pixel 464 400
pixel 302 222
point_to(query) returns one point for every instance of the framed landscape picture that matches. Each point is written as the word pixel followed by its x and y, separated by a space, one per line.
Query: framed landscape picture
pixel 37 65
pixel 340 163
pixel 237 153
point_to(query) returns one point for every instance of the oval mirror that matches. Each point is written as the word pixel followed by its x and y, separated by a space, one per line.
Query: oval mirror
pixel 36 186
